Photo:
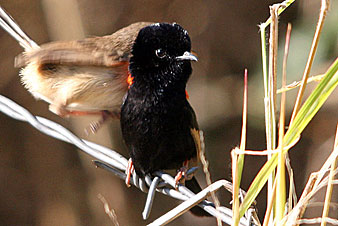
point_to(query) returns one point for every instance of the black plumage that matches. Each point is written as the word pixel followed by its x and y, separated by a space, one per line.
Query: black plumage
pixel 156 118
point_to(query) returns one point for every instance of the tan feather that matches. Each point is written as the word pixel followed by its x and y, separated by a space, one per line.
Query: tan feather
pixel 84 75
pixel 197 140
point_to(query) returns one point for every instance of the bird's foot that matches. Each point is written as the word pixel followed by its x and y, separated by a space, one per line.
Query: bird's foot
pixel 96 125
pixel 181 174
pixel 129 172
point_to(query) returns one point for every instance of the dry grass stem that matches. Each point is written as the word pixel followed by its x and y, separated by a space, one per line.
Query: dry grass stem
pixel 329 186
pixel 283 97
pixel 110 212
pixel 322 16
pixel 272 87
pixel 205 164
pixel 316 78
pixel 264 152
pixel 317 221
pixel 245 111
pixel 292 191
pixel 270 205
pixel 333 205
pixel 292 200
pixel 235 198
pixel 238 161
pixel 315 182
pixel 273 49
pixel 281 184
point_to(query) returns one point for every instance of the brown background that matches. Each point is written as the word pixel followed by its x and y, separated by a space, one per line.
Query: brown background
pixel 47 182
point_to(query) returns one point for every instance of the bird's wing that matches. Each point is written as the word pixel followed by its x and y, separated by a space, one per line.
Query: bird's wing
pixel 84 75
pixel 195 133
pixel 107 51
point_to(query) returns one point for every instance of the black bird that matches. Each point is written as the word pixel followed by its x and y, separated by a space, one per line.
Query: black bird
pixel 158 124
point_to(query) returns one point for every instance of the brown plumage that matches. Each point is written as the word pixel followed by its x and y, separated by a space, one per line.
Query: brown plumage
pixel 88 75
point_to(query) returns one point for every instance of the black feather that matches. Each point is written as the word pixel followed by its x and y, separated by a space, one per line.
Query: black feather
pixel 156 118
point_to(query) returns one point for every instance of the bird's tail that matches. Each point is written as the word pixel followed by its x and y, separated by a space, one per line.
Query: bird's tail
pixel 195 187
pixel 9 25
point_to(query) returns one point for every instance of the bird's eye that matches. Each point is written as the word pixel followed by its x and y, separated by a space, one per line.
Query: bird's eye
pixel 160 53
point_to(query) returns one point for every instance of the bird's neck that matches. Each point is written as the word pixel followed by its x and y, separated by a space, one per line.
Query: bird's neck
pixel 160 89
pixel 163 82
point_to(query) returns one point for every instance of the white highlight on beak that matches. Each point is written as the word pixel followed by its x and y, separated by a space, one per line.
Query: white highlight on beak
pixel 187 56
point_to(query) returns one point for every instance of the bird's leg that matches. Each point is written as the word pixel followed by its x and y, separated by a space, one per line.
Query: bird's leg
pixel 93 127
pixel 96 125
pixel 180 176
pixel 129 171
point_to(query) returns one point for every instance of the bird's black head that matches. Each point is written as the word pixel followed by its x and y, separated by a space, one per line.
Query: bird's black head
pixel 161 55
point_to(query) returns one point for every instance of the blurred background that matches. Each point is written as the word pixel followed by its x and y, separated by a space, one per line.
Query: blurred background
pixel 47 182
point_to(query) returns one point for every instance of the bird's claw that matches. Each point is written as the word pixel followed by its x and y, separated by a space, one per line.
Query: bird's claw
pixel 129 172
pixel 95 126
pixel 181 175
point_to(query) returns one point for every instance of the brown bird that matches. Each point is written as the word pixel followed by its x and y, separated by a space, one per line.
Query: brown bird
pixel 88 76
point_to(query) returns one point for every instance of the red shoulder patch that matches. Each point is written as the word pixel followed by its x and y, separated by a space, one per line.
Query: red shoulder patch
pixel 130 80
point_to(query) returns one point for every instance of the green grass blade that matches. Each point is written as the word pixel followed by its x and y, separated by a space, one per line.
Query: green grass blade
pixel 311 106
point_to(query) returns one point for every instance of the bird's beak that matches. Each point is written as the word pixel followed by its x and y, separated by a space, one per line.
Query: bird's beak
pixel 187 56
